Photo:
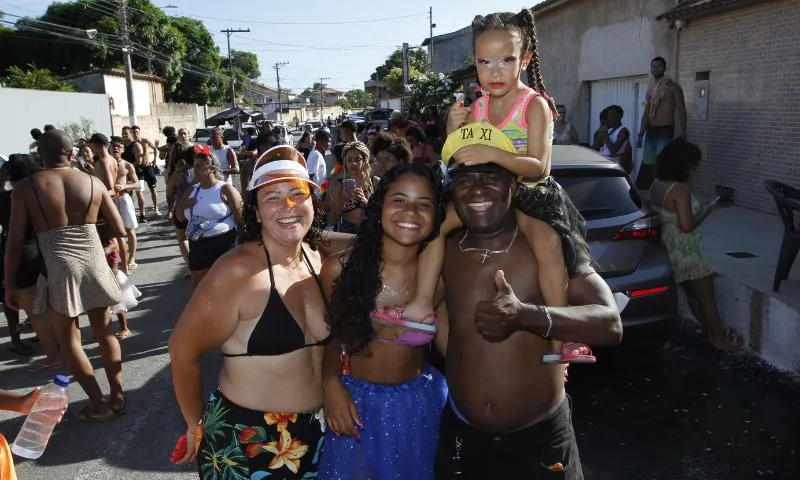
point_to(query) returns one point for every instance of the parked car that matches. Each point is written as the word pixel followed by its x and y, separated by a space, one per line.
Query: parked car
pixel 380 116
pixel 624 238
pixel 202 136
pixel 232 138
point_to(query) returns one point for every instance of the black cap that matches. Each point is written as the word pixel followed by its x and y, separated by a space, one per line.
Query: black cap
pixel 99 139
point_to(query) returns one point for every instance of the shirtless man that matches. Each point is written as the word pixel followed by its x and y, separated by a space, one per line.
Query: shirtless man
pixel 125 182
pixel 664 100
pixel 63 204
pixel 145 169
pixel 508 415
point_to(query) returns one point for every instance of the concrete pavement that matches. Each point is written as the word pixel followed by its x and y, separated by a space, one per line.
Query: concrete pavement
pixel 685 412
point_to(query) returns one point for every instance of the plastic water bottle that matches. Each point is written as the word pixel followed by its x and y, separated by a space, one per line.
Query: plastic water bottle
pixel 44 416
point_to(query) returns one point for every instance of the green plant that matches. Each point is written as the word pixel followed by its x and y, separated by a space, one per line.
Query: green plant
pixel 85 129
pixel 432 93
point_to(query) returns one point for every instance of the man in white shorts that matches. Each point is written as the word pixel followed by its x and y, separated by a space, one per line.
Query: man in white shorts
pixel 126 182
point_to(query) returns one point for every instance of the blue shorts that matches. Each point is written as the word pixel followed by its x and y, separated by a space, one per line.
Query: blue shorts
pixel 656 138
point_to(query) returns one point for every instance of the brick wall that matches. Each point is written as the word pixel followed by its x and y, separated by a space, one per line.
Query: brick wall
pixel 753 127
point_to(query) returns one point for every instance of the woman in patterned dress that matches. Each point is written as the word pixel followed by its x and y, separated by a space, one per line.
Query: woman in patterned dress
pixel 681 214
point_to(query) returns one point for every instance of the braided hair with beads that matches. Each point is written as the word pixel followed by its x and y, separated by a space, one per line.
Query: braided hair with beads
pixel 524 24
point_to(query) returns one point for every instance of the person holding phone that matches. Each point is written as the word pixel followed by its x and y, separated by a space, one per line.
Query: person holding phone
pixel 349 195
pixel 681 215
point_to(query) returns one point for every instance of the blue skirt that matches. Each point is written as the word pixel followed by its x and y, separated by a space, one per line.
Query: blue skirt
pixel 400 434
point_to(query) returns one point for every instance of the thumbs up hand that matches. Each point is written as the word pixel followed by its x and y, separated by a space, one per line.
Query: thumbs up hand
pixel 497 319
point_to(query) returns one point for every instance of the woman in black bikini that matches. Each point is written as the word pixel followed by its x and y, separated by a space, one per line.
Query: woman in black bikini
pixel 262 305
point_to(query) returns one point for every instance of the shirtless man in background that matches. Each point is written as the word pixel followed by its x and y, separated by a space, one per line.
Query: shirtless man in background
pixel 144 169
pixel 508 415
pixel 125 182
pixel 658 127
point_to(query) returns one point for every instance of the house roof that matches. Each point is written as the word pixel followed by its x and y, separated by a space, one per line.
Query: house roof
pixel 699 8
pixel 118 72
pixel 329 91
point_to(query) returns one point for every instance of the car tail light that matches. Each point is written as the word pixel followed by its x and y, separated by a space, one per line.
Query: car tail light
pixel 647 291
pixel 645 228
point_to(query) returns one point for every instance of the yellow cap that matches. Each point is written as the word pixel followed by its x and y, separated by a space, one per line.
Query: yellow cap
pixel 476 133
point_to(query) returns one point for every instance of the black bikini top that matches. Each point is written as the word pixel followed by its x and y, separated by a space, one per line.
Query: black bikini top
pixel 277 332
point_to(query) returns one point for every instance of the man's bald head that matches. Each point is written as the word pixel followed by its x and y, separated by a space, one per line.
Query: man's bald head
pixel 55 147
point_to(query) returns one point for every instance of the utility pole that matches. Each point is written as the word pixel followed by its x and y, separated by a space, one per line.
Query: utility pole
pixel 126 55
pixel 228 33
pixel 277 68
pixel 322 96
pixel 431 25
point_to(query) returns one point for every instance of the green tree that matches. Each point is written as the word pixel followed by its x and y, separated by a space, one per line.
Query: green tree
pixel 312 92
pixel 432 94
pixel 358 98
pixel 203 80
pixel 417 60
pixel 345 104
pixel 35 79
pixel 179 49
pixel 394 81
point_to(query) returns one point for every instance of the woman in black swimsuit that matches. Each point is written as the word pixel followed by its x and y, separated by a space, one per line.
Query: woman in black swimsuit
pixel 262 305
pixel 18 167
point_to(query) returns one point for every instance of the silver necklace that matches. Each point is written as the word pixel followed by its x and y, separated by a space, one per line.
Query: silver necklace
pixel 387 290
pixel 486 251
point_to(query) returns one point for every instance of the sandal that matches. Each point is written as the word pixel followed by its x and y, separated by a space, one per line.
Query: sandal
pixel 567 358
pixel 84 416
pixel 123 334
pixel 21 349
pixel 118 412
pixel 733 341
pixel 40 366
pixel 132 266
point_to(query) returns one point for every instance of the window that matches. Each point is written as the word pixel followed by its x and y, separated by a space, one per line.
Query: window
pixel 599 192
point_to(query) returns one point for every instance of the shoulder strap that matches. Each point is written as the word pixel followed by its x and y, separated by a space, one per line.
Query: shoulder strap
pixel 664 199
pixel 36 194
pixel 91 195
pixel 269 265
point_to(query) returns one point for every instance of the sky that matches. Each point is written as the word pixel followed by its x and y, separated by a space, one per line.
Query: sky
pixel 313 36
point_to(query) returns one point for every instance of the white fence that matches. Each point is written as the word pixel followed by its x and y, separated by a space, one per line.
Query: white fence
pixel 28 109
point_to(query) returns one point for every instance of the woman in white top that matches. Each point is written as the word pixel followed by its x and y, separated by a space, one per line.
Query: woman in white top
pixel 614 140
pixel 212 209
pixel 226 157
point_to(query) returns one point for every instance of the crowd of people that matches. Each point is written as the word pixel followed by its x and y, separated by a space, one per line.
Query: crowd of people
pixel 389 298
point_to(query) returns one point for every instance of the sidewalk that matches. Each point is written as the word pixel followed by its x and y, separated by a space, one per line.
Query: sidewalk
pixel 769 321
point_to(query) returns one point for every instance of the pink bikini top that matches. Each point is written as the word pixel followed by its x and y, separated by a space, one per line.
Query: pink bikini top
pixel 417 334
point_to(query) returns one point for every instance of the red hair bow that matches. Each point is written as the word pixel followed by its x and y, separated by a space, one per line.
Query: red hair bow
pixel 205 150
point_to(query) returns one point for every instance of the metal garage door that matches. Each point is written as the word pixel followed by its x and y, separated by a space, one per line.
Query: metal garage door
pixel 628 93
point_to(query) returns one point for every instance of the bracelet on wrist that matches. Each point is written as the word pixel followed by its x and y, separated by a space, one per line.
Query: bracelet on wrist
pixel 549 322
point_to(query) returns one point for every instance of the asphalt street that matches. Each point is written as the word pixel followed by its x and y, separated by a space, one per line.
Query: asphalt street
pixel 682 413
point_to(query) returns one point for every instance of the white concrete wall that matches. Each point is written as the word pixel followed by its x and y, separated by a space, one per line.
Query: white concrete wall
pixel 115 88
pixel 619 49
pixel 27 109
pixel 770 326
pixel 586 40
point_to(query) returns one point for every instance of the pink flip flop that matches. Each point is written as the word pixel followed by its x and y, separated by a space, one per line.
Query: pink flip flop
pixel 562 359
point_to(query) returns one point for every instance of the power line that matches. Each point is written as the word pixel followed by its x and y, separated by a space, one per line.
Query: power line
pixel 305 23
